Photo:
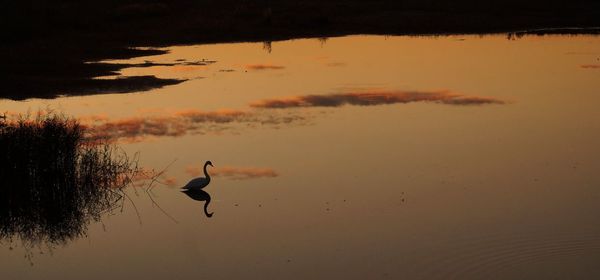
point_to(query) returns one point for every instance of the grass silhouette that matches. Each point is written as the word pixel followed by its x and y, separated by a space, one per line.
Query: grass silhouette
pixel 53 182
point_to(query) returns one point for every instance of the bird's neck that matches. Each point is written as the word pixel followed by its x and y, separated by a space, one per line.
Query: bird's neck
pixel 206 172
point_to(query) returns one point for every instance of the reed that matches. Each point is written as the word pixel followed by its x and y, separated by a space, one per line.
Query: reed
pixel 53 182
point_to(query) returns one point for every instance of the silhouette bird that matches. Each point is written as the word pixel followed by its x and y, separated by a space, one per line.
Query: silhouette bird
pixel 200 195
pixel 199 183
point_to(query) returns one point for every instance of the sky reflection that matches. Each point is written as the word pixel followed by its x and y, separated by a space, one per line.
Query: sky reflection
pixel 264 67
pixel 591 66
pixel 478 177
pixel 235 173
pixel 179 123
pixel 370 98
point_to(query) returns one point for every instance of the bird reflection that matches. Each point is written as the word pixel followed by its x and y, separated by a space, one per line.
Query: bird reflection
pixel 199 195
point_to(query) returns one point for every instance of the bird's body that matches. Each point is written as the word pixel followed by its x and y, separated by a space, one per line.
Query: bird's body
pixel 199 183
pixel 196 184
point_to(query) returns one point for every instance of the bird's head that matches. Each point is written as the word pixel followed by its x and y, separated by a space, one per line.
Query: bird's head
pixel 209 163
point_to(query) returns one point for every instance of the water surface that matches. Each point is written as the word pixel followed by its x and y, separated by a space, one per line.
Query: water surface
pixel 459 157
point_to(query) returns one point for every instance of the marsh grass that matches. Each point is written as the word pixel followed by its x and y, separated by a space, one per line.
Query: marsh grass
pixel 53 182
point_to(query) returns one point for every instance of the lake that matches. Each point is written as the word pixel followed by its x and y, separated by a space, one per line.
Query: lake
pixel 359 157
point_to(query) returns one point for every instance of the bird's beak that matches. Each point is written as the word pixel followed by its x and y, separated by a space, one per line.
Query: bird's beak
pixel 211 165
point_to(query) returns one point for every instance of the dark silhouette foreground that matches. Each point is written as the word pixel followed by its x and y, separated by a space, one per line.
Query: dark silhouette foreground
pixel 53 183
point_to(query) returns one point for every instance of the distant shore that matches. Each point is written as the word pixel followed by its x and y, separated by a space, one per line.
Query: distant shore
pixel 45 45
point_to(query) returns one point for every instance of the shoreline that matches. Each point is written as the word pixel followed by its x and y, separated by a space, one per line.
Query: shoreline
pixel 79 77
pixel 51 56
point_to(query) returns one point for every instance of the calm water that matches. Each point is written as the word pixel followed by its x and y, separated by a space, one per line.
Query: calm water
pixel 363 157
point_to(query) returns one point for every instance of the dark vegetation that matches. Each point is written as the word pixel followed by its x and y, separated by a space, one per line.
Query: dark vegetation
pixel 53 71
pixel 44 43
pixel 53 183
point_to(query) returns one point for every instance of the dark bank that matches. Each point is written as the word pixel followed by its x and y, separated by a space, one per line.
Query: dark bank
pixel 45 43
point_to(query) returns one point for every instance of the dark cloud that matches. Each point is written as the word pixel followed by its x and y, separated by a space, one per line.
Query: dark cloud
pixel 264 67
pixel 369 98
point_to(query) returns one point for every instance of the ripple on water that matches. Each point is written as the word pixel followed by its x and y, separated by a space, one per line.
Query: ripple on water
pixel 494 256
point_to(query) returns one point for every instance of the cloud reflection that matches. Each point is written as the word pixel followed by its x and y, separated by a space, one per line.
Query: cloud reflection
pixel 238 173
pixel 264 67
pixel 170 181
pixel 152 123
pixel 335 64
pixel 370 98
pixel 193 171
pixel 179 123
pixel 234 173
pixel 591 66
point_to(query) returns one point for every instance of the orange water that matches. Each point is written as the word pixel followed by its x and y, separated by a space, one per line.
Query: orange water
pixel 417 187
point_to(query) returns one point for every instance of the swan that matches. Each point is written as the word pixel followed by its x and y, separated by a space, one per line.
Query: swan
pixel 199 183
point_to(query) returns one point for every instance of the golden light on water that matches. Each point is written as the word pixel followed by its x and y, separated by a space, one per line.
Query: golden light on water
pixel 415 157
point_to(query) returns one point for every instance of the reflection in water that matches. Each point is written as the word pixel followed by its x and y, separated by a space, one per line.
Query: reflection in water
pixel 374 97
pixel 264 67
pixel 177 124
pixel 268 46
pixel 590 66
pixel 236 173
pixel 497 191
pixel 245 173
pixel 184 122
pixel 199 195
pixel 52 183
